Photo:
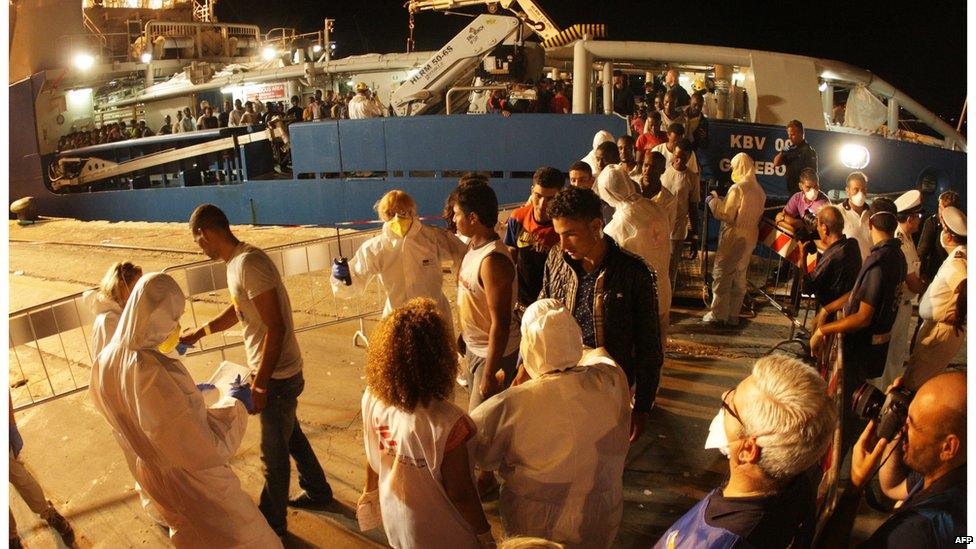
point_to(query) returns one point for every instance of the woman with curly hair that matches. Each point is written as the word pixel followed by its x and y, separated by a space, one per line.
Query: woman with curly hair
pixel 419 474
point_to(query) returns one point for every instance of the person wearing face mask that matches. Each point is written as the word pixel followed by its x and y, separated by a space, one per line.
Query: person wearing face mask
pixel 176 448
pixel 809 199
pixel 406 256
pixel 108 300
pixel 601 136
pixel 773 427
pixel 739 213
pixel 559 440
pixel 909 216
pixel 855 210
pixel 641 227
pixel 612 295
pixel 942 307
pixel 869 313
pixel 930 251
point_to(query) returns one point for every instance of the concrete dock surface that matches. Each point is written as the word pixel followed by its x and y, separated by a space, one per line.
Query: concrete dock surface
pixel 74 456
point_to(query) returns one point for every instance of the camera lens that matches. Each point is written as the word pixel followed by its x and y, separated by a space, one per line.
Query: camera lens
pixel 867 402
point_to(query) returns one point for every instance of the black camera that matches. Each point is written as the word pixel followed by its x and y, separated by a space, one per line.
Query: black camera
pixel 888 412
pixel 718 186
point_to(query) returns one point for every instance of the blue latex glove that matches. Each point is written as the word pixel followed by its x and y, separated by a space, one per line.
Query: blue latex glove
pixel 205 386
pixel 340 270
pixel 182 347
pixel 16 441
pixel 241 392
pixel 709 198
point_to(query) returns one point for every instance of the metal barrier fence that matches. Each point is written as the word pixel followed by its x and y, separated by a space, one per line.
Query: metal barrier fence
pixel 49 343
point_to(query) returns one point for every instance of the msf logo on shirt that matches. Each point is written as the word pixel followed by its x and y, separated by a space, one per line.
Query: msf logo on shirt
pixel 385 436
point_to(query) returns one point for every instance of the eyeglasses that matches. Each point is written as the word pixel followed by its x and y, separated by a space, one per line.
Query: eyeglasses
pixel 728 407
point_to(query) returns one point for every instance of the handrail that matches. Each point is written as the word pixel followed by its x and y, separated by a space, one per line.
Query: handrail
pixel 455 89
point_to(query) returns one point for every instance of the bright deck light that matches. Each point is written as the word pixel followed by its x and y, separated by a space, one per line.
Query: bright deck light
pixel 269 53
pixel 84 61
pixel 854 156
pixel 145 57
pixel 317 48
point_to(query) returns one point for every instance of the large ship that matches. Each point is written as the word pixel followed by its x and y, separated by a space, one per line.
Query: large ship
pixel 139 60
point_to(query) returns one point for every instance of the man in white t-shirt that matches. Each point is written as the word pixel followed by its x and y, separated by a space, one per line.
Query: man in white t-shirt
pixel 260 301
pixel 684 185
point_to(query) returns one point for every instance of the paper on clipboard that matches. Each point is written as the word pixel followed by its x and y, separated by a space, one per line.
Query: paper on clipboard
pixel 223 376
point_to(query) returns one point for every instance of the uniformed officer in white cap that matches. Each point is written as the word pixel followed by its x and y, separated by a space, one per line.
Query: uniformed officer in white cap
pixel 942 306
pixel 909 216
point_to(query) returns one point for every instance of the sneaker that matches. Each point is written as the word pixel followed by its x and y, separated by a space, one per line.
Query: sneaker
pixel 710 319
pixel 60 524
pixel 462 380
pixel 305 501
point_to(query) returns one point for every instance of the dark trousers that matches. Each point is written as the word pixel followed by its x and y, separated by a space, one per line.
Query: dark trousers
pixel 281 436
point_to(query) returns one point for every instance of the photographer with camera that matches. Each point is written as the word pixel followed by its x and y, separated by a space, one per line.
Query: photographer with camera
pixel 869 312
pixel 924 467
pixel 840 262
pixel 739 211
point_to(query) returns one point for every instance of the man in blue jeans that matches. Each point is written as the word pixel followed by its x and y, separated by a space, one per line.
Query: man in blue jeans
pixel 260 301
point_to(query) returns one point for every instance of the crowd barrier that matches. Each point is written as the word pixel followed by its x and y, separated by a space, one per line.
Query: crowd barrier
pixel 49 349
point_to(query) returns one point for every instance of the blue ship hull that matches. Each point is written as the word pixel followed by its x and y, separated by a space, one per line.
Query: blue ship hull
pixel 341 168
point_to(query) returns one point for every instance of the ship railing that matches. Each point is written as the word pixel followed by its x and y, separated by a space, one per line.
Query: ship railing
pixel 249 36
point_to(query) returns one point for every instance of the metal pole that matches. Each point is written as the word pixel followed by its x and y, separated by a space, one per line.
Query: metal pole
pixel 582 67
pixel 828 103
pixel 328 43
pixel 892 117
pixel 608 87
pixel 962 115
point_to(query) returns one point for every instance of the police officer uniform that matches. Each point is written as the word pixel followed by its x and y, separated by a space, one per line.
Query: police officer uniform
pixel 938 341
pixel 908 203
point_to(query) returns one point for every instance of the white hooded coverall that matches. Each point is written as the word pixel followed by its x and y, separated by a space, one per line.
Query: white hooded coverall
pixel 559 440
pixel 107 313
pixel 408 266
pixel 601 137
pixel 176 447
pixel 640 226
pixel 739 212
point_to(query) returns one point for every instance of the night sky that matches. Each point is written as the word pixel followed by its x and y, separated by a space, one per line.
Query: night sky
pixel 922 51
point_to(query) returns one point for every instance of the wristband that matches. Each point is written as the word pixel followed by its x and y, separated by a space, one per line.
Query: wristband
pixel 206 329
pixel 257 389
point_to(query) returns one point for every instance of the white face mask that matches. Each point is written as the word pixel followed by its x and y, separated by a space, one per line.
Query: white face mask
pixel 942 241
pixel 811 194
pixel 858 199
pixel 716 434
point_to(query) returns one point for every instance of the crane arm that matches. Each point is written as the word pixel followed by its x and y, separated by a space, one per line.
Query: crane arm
pixel 528 11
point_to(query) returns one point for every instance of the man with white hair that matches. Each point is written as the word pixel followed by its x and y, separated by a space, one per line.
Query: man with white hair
pixel 773 427
pixel 560 439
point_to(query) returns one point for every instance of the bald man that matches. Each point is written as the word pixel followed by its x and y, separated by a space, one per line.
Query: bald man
pixel 926 471
pixel 837 268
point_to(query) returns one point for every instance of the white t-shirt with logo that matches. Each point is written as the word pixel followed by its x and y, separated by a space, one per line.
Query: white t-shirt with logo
pixel 406 450
pixel 250 273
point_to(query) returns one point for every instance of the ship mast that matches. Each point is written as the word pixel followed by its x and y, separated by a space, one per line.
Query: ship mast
pixel 203 11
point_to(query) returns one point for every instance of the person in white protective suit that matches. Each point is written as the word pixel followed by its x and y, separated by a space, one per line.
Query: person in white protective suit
pixel 739 212
pixel 406 255
pixel 601 137
pixel 107 301
pixel 640 226
pixel 558 440
pixel 176 447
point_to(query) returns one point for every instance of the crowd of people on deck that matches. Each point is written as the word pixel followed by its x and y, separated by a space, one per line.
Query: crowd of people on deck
pixel 329 106
pixel 563 312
